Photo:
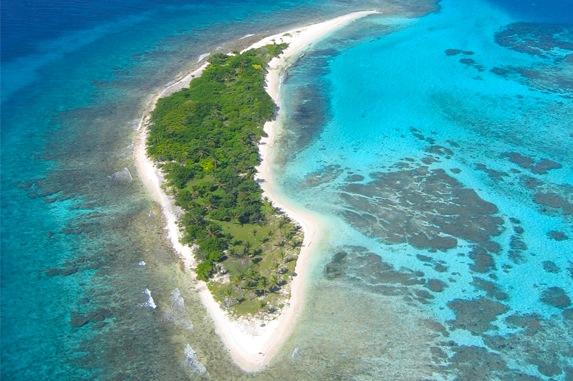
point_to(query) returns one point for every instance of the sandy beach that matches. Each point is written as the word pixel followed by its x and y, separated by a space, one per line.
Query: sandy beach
pixel 251 345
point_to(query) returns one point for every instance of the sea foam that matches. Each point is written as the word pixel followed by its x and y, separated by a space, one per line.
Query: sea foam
pixel 150 302
pixel 203 56
pixel 122 176
pixel 192 362
pixel 177 313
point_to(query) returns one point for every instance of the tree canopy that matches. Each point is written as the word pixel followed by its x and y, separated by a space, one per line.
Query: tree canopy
pixel 205 138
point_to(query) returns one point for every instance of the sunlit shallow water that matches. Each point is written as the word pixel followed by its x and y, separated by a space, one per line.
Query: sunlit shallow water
pixel 91 288
pixel 443 159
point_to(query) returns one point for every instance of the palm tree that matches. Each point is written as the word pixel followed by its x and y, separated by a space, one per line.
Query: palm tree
pixel 211 231
pixel 214 161
pixel 238 278
pixel 195 218
pixel 226 291
pixel 281 244
pixel 263 284
pixel 234 214
pixel 247 247
pixel 201 152
pixel 296 244
pixel 219 183
pixel 274 283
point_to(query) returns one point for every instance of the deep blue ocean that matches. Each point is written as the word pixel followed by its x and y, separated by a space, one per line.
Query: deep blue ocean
pixel 436 139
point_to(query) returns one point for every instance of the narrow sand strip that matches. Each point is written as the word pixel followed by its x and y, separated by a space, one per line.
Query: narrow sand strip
pixel 251 345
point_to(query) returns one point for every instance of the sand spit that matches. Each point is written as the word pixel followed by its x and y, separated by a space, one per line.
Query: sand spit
pixel 251 343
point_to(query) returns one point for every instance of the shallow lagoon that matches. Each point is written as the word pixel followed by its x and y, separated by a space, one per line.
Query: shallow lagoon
pixel 443 159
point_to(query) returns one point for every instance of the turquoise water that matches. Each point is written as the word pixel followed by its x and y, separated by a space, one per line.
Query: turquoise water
pixel 81 240
pixel 92 290
pixel 441 155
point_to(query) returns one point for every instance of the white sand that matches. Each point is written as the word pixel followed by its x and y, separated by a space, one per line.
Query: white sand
pixel 250 345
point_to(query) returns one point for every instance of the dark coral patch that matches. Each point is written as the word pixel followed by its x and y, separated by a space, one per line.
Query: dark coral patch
pixel 536 39
pixel 493 174
pixel 517 248
pixel 554 43
pixel 435 285
pixel 440 267
pixel 417 134
pixel 426 208
pixel 336 268
pixel 492 291
pixel 529 322
pixel 545 362
pixel 401 165
pixel 435 242
pixel 530 182
pixel 556 297
pixel 476 315
pixel 455 52
pixel 540 340
pixel 550 267
pixel 519 159
pixel 78 320
pixel 355 178
pixel 547 368
pixel 467 61
pixel 428 160
pixel 476 363
pixel 64 271
pixel 500 71
pixel 439 150
pixel 555 201
pixel 545 165
pixel 424 258
pixel 323 175
pixel 483 262
pixel 492 246
pixel 557 236
pixel 367 270
pixel 452 52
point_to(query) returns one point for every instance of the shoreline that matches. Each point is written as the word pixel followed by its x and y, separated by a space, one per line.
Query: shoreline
pixel 250 345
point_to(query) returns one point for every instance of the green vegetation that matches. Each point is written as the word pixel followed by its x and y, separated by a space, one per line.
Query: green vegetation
pixel 205 139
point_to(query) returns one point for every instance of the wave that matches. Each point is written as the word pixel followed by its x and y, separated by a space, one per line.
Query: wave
pixel 150 302
pixel 192 362
pixel 203 56
pixel 177 313
pixel 122 176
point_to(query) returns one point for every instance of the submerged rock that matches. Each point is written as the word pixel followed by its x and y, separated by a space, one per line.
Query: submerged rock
pixel 78 320
pixel 424 207
pixel 556 297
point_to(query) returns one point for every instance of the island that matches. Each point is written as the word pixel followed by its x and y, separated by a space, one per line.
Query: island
pixel 205 140
pixel 203 151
